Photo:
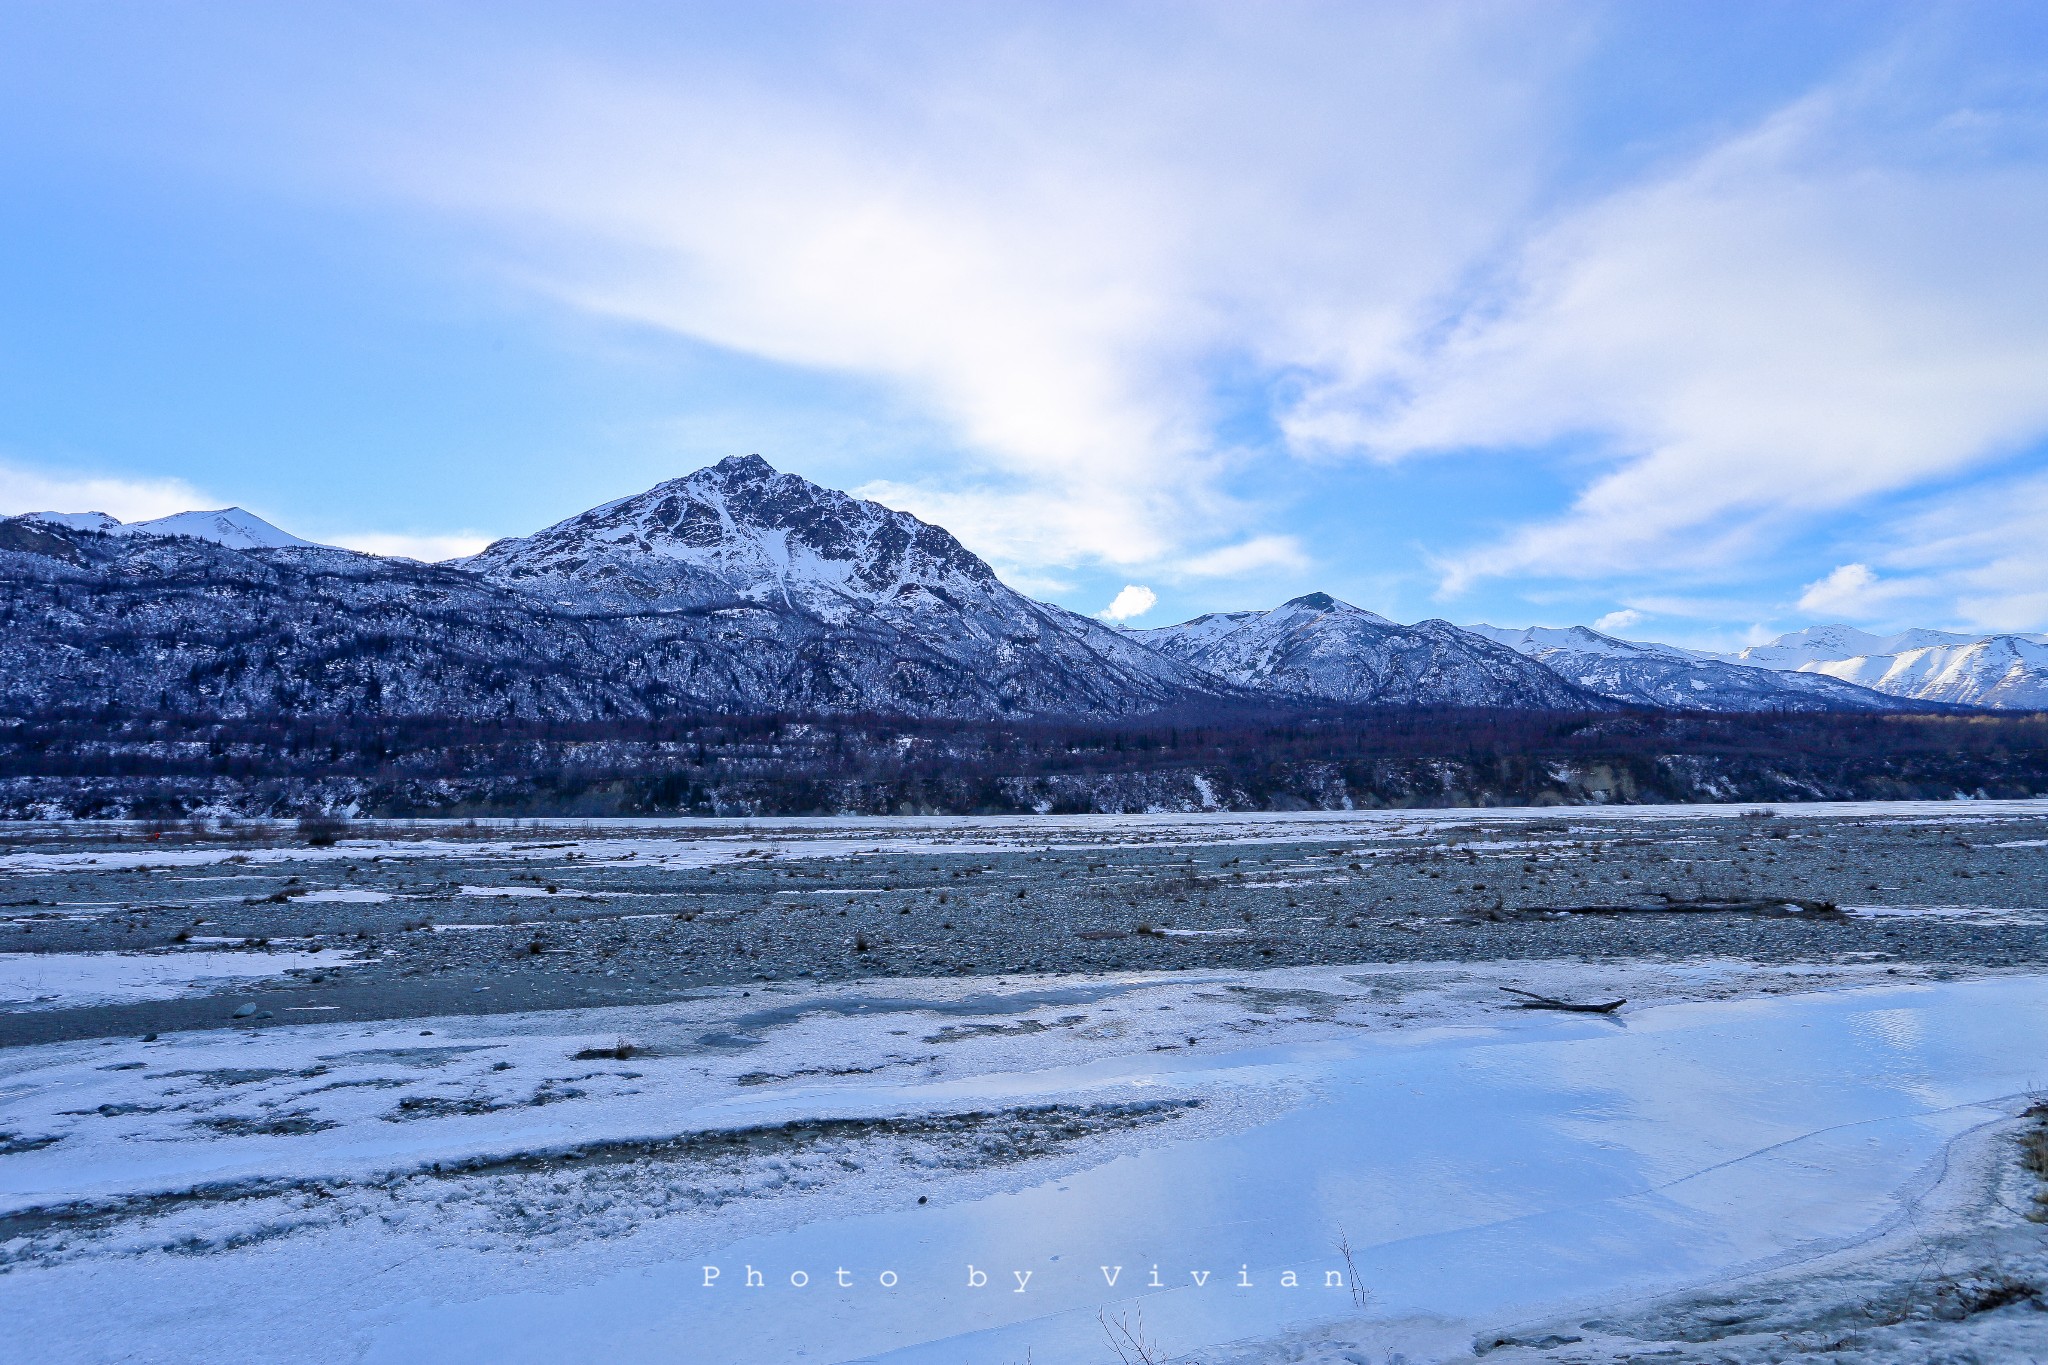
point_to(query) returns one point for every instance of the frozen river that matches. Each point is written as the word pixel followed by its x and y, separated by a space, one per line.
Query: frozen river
pixel 1480 1175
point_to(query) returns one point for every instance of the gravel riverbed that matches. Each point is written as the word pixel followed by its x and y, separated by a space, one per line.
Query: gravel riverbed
pixel 446 918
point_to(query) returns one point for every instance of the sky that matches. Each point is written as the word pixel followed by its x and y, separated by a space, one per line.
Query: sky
pixel 1699 320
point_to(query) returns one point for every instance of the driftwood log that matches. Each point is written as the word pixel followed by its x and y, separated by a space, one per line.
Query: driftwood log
pixel 1776 906
pixel 1532 1001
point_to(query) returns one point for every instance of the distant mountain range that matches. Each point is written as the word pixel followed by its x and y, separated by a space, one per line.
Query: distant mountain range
pixel 2003 671
pixel 1675 679
pixel 739 589
pixel 1830 667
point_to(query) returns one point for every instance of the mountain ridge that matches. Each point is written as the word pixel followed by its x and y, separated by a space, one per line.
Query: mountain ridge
pixel 738 588
pixel 1320 648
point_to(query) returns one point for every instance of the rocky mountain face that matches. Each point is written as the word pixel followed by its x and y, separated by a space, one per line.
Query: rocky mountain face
pixel 1319 648
pixel 1674 679
pixel 737 589
pixel 766 591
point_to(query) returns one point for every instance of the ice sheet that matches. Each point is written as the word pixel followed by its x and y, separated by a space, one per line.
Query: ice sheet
pixel 1475 1175
pixel 1482 1165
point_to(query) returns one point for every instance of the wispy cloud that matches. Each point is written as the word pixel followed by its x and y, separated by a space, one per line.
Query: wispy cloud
pixel 1846 302
pixel 1983 551
pixel 1105 291
pixel 1260 553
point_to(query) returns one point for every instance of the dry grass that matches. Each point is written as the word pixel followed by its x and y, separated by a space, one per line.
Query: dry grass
pixel 2034 1157
pixel 1360 1295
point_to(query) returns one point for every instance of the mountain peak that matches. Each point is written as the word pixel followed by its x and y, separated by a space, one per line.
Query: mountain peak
pixel 1314 601
pixel 742 530
pixel 742 467
pixel 230 526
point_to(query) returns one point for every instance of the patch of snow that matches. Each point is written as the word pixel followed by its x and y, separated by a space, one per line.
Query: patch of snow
pixel 65 980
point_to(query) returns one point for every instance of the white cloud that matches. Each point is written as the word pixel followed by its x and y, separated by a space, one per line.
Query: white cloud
pixel 23 489
pixel 1615 621
pixel 428 549
pixel 1044 226
pixel 1846 302
pixel 1851 590
pixel 1134 600
pixel 1247 556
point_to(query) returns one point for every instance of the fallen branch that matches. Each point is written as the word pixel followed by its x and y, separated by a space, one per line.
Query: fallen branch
pixel 1533 1001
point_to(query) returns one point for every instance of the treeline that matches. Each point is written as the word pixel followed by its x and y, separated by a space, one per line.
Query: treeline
pixel 1244 758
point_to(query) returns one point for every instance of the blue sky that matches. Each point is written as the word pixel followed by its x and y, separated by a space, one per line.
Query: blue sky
pixel 1706 320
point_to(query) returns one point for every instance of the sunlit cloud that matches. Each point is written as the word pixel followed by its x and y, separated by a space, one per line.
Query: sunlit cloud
pixel 1135 600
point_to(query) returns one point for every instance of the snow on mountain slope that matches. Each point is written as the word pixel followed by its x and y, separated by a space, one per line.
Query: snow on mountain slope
pixel 1581 639
pixel 741 531
pixel 736 590
pixel 1675 679
pixel 2007 672
pixel 870 605
pixel 76 521
pixel 229 526
pixel 1320 648
pixel 1825 644
pixel 744 590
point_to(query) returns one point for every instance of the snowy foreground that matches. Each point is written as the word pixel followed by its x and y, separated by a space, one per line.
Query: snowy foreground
pixel 984 1172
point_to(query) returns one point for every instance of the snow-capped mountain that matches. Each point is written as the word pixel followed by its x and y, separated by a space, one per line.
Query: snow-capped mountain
pixel 2006 672
pixel 1676 679
pixel 739 531
pixel 736 589
pixel 1997 671
pixel 229 526
pixel 846 604
pixel 1320 648
pixel 742 590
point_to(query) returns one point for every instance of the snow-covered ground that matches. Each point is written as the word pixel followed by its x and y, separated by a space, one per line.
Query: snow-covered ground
pixel 553 1186
pixel 697 842
pixel 64 980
